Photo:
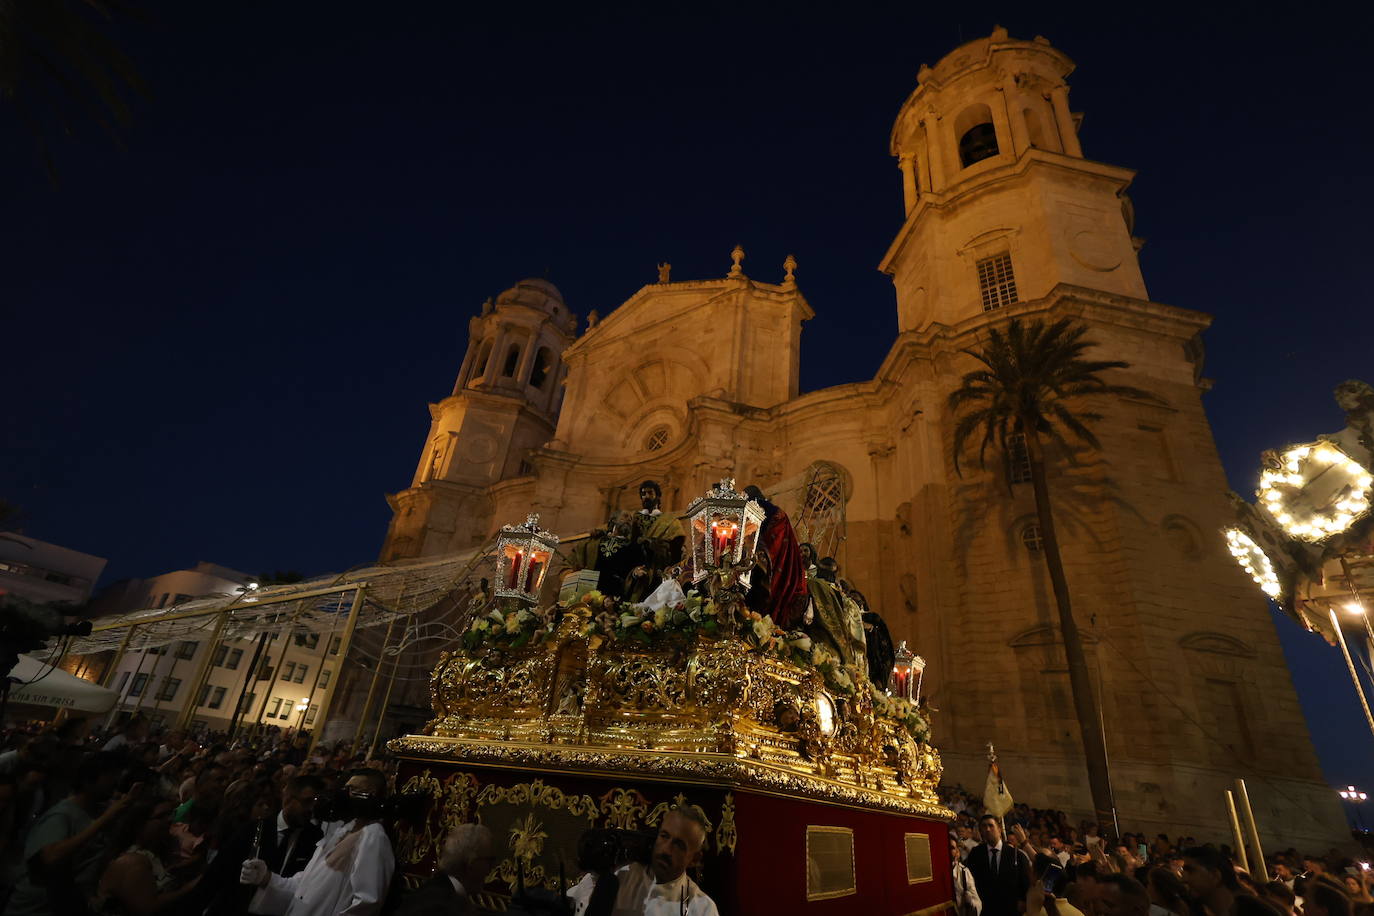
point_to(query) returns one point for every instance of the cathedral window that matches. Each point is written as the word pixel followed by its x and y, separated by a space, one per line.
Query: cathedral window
pixel 483 357
pixel 1033 538
pixel 543 364
pixel 512 359
pixel 824 494
pixel 656 439
pixel 996 283
pixel 1018 459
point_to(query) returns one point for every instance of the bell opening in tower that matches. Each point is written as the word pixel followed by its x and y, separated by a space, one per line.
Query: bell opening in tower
pixel 979 142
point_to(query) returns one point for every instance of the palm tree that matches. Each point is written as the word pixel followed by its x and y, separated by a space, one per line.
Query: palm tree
pixel 1032 374
pixel 59 63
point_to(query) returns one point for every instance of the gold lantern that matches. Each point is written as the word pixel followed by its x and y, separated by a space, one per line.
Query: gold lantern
pixel 908 669
pixel 724 526
pixel 523 553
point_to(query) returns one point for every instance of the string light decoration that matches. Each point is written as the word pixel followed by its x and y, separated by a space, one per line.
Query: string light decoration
pixel 1315 491
pixel 1253 560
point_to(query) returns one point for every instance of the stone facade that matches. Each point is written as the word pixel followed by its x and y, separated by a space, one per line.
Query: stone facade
pixel 687 382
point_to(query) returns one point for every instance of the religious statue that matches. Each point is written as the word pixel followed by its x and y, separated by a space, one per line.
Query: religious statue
pixel 1356 398
pixel 663 270
pixel 837 615
pixel 787 594
pixel 436 460
pixel 877 639
pixel 621 562
pixel 659 534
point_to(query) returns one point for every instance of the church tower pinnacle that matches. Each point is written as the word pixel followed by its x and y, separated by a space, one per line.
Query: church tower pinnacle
pixel 504 404
pixel 1001 205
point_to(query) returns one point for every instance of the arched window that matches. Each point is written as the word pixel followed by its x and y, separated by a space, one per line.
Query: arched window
pixel 977 136
pixel 1033 538
pixel 824 492
pixel 543 365
pixel 480 367
pixel 512 359
pixel 979 142
pixel 656 439
pixel 1034 129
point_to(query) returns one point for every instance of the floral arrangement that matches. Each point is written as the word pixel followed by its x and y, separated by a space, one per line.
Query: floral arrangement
pixel 511 628
pixel 901 710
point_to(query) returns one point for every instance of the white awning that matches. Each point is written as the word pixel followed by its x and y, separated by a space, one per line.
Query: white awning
pixel 41 685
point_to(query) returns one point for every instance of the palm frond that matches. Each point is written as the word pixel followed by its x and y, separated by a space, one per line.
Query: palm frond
pixel 1031 375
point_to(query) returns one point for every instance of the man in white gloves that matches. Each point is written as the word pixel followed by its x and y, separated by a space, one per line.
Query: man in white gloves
pixel 352 866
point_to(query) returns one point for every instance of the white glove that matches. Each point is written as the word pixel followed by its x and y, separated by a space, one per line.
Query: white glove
pixel 254 872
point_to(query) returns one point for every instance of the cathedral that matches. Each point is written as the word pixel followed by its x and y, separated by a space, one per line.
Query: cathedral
pixel 691 381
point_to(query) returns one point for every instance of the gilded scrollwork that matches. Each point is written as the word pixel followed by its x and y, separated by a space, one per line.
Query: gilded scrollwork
pixel 705 710
pixel 623 808
pixel 726 835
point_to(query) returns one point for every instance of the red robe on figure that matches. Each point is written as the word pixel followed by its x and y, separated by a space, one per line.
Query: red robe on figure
pixel 787 593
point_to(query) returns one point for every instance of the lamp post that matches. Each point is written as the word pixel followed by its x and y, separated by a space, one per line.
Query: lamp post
pixel 301 708
pixel 1355 797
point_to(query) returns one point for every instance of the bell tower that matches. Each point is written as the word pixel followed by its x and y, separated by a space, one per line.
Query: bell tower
pixel 504 404
pixel 1001 205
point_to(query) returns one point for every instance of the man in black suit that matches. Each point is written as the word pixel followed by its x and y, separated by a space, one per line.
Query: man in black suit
pixel 1001 872
pixel 466 860
pixel 285 841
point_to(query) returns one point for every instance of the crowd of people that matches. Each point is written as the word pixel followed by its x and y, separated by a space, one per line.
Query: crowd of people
pixel 131 824
pixel 1038 861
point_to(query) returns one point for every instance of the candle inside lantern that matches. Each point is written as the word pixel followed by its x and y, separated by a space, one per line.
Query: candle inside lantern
pixel 724 535
pixel 902 671
pixel 514 557
pixel 535 572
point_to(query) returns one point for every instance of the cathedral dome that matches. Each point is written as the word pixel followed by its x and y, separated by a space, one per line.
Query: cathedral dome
pixel 534 293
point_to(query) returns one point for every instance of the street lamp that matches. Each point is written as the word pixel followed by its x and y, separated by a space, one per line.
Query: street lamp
pixel 1355 797
pixel 301 708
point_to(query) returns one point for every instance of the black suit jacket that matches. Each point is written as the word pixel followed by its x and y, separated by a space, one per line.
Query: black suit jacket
pixel 436 897
pixel 220 892
pixel 289 857
pixel 1001 892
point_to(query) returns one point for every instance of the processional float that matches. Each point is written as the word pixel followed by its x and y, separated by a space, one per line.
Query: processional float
pixel 593 713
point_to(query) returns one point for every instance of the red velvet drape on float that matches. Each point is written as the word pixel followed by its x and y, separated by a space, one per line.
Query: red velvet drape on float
pixel 787 586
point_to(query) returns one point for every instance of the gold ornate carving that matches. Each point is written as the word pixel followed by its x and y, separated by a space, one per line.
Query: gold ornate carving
pixel 702 709
pixel 623 808
pixel 538 793
pixel 726 837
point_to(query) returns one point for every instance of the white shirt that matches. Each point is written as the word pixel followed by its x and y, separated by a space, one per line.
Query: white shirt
pixel 966 898
pixel 658 899
pixel 320 890
pixel 995 857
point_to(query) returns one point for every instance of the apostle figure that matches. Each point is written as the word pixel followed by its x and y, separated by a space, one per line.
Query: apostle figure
pixel 839 615
pixel 620 561
pixel 787 593
pixel 881 654
pixel 658 534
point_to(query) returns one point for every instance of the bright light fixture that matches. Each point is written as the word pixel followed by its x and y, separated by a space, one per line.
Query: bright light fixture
pixel 1316 491
pixel 1253 560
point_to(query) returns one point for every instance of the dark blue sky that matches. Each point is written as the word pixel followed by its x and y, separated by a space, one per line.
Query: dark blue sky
pixel 220 343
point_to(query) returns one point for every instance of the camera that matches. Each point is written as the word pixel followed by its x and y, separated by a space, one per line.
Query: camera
pixel 27 627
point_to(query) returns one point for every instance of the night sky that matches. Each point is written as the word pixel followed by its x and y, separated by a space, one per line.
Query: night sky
pixel 220 341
